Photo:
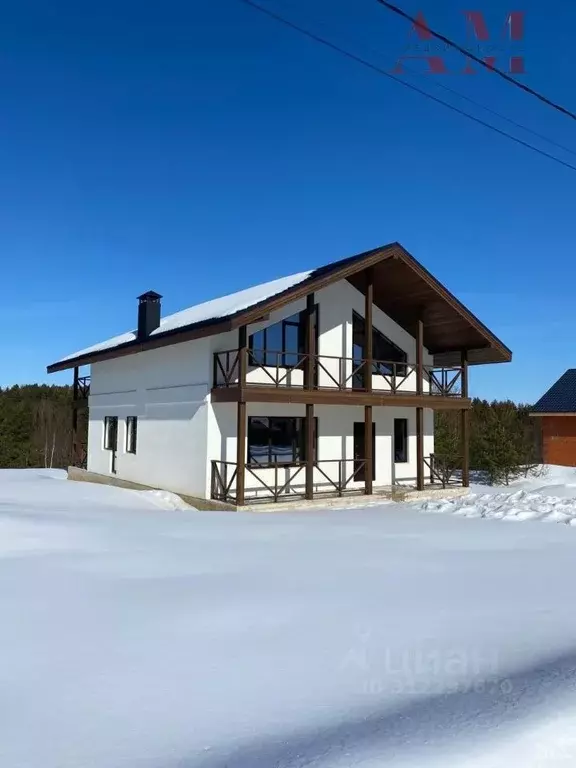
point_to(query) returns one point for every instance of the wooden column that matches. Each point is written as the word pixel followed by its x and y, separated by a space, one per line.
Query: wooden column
pixel 368 357
pixel 75 457
pixel 420 449
pixel 241 417
pixel 465 425
pixel 420 411
pixel 310 347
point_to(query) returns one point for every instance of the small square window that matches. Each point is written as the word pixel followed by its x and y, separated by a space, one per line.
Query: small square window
pixel 131 433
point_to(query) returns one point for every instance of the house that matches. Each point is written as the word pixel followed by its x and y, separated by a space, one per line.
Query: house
pixel 556 410
pixel 322 382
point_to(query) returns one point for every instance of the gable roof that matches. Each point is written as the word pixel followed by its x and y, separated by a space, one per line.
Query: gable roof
pixel 561 397
pixel 403 289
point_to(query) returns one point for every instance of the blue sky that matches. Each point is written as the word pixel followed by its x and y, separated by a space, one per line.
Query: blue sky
pixel 196 148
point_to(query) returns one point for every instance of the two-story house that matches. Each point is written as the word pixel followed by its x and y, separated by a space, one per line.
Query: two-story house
pixel 319 383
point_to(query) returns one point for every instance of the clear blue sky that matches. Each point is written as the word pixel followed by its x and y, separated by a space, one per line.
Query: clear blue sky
pixel 196 148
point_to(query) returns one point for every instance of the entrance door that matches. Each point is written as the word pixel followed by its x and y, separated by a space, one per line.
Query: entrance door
pixel 359 454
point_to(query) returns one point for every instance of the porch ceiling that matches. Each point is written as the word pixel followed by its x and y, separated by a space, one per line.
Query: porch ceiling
pixel 407 292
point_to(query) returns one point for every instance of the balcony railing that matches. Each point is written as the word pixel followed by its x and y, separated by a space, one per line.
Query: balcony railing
pixel 83 388
pixel 331 477
pixel 278 482
pixel 446 470
pixel 265 368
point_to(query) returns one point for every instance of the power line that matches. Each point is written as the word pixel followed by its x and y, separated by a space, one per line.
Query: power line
pixel 380 71
pixel 477 59
pixel 496 114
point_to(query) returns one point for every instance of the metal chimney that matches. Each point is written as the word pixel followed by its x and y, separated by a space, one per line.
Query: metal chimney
pixel 149 307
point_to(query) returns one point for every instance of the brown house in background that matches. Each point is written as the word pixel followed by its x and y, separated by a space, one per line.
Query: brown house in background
pixel 557 410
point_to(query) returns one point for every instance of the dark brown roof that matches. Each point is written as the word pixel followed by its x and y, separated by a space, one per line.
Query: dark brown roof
pixel 560 398
pixel 403 289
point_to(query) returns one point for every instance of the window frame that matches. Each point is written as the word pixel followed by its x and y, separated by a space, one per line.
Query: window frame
pixel 406 441
pixel 108 420
pixel 298 441
pixel 131 436
pixel 400 367
pixel 258 356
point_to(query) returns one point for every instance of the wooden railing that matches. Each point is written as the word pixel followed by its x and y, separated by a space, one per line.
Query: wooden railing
pixel 267 368
pixel 83 388
pixel 445 470
pixel 276 481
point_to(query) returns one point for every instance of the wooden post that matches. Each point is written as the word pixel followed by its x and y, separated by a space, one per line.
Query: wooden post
pixel 465 425
pixel 368 357
pixel 420 411
pixel 420 357
pixel 310 344
pixel 420 449
pixel 241 417
pixel 75 458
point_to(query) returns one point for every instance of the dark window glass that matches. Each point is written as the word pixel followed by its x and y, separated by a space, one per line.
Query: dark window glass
pixel 131 433
pixel 278 440
pixel 281 344
pixel 110 433
pixel 400 440
pixel 257 348
pixel 258 440
pixel 384 351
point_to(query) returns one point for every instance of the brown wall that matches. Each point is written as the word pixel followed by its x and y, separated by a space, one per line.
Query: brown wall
pixel 559 440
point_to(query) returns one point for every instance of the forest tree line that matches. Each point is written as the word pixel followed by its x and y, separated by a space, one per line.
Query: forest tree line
pixel 36 426
pixel 505 441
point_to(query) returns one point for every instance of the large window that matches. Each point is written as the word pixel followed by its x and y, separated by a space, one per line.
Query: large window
pixel 281 344
pixel 384 351
pixel 400 441
pixel 131 433
pixel 278 439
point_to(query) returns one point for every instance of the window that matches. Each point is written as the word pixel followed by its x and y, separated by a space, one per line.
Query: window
pixel 281 344
pixel 110 433
pixel 383 350
pixel 131 433
pixel 401 441
pixel 278 440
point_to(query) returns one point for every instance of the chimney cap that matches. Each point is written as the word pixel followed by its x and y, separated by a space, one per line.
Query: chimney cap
pixel 149 296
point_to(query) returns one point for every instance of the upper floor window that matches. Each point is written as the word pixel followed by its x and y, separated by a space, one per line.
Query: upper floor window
pixel 131 433
pixel 281 344
pixel 384 351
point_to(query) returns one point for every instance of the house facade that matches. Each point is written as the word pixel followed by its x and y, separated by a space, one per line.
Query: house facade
pixel 556 412
pixel 324 382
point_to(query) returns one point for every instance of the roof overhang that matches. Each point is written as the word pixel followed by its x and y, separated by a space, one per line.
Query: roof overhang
pixel 403 289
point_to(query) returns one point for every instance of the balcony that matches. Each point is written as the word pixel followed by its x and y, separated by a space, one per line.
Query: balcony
pixel 281 371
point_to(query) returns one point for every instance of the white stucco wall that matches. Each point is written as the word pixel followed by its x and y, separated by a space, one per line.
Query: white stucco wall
pixel 180 431
pixel 168 390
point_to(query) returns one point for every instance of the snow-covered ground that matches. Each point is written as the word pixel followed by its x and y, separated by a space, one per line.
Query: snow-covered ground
pixel 549 495
pixel 139 635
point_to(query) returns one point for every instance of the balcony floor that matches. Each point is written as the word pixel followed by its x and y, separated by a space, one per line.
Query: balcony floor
pixel 270 394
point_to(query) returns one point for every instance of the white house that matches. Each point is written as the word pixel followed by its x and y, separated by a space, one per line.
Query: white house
pixel 278 391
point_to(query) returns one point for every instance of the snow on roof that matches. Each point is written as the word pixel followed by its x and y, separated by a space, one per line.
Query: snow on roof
pixel 208 310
